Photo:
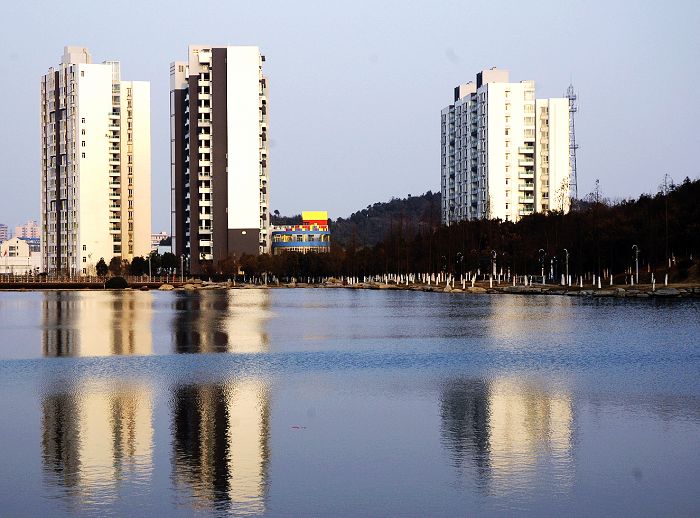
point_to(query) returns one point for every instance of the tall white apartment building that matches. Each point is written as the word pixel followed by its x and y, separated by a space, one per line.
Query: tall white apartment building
pixel 504 153
pixel 95 164
pixel 219 155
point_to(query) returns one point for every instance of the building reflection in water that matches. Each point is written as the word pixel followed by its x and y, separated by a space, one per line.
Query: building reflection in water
pixel 220 439
pixel 221 321
pixel 97 323
pixel 512 322
pixel 515 434
pixel 95 436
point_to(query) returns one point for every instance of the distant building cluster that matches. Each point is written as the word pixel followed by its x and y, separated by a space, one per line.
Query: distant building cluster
pixel 313 235
pixel 504 153
pixel 30 229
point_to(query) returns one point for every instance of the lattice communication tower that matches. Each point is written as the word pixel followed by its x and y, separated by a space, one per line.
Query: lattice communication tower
pixel 573 146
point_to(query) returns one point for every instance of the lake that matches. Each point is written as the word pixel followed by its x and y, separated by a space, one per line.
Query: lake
pixel 341 402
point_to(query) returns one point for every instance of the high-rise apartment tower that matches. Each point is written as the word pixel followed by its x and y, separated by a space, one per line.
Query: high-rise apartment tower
pixel 219 154
pixel 504 153
pixel 95 165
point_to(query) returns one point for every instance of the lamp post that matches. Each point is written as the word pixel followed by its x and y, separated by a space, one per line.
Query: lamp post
pixel 542 256
pixel 493 262
pixel 149 267
pixel 566 255
pixel 636 263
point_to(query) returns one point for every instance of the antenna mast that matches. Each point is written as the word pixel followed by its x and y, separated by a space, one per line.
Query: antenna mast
pixel 573 146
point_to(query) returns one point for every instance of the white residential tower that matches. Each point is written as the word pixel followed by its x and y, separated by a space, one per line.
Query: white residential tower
pixel 504 153
pixel 95 165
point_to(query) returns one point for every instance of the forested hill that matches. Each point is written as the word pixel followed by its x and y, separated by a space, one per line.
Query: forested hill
pixel 370 226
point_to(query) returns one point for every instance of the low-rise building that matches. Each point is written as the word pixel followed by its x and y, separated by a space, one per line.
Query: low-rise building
pixel 313 235
pixel 157 238
pixel 17 257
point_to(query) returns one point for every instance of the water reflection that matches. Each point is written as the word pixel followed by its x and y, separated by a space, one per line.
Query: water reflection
pixel 94 323
pixel 96 436
pixel 511 321
pixel 220 439
pixel 221 321
pixel 516 434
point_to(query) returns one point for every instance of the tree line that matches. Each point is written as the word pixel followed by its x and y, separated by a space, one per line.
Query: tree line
pixel 596 236
pixel 405 236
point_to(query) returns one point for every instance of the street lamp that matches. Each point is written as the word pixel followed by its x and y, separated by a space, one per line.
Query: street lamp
pixel 493 262
pixel 542 256
pixel 636 263
pixel 460 261
pixel 566 252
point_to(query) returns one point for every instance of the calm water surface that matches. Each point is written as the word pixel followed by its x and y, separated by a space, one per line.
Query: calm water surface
pixel 340 402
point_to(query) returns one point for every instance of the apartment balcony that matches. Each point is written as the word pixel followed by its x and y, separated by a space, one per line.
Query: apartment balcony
pixel 526 199
pixel 114 162
pixel 526 150
pixel 526 187
pixel 114 219
pixel 526 175
pixel 526 162
pixel 526 212
pixel 205 217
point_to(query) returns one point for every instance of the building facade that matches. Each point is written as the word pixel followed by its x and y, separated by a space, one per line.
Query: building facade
pixel 4 234
pixel 313 235
pixel 95 165
pixel 219 155
pixel 30 229
pixel 19 257
pixel 157 238
pixel 504 153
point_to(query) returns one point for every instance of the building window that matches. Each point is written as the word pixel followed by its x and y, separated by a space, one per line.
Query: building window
pixel 82 143
pixel 84 259
pixel 82 120
pixel 84 247
pixel 82 155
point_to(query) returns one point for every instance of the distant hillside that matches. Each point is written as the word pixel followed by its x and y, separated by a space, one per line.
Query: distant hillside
pixel 371 225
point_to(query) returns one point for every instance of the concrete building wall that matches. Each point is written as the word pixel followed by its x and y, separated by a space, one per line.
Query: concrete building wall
pixel 219 189
pixel 495 163
pixel 93 160
pixel 95 188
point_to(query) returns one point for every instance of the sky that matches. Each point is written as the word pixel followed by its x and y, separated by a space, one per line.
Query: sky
pixel 356 88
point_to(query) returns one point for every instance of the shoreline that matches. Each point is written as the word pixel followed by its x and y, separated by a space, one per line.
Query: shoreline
pixel 480 288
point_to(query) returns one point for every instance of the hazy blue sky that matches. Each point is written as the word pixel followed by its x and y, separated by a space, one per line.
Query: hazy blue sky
pixel 356 88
